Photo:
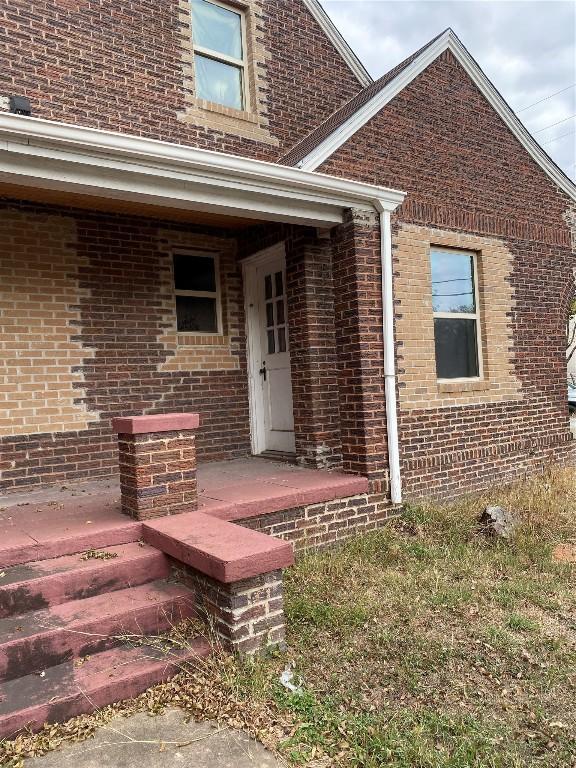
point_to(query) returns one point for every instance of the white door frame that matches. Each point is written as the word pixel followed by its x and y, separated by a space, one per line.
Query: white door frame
pixel 254 344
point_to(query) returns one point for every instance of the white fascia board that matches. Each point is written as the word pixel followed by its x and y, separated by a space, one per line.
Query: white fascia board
pixel 448 41
pixel 54 155
pixel 333 34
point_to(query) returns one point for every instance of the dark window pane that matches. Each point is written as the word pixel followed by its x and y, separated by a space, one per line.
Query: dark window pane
pixel 279 284
pixel 280 312
pixel 452 282
pixel 196 314
pixel 271 343
pixel 194 273
pixel 281 340
pixel 456 348
pixel 218 82
pixel 217 28
pixel 268 286
pixel 269 315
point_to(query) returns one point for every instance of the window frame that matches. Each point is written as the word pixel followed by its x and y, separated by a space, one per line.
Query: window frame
pixel 476 316
pixel 217 294
pixel 241 64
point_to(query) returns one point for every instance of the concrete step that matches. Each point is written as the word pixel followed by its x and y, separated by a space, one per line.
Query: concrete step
pixel 49 533
pixel 43 583
pixel 71 689
pixel 49 637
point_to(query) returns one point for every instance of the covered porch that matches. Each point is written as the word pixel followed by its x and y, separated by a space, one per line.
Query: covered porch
pixel 281 351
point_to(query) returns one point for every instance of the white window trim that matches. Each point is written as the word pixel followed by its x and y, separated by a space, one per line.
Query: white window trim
pixel 476 316
pixel 217 294
pixel 241 64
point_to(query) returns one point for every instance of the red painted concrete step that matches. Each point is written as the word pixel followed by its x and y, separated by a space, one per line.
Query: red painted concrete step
pixel 44 583
pixel 45 533
pixel 70 689
pixel 49 637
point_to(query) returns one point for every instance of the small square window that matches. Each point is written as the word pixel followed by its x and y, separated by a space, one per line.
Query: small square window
pixel 456 319
pixel 218 82
pixel 196 284
pixel 195 273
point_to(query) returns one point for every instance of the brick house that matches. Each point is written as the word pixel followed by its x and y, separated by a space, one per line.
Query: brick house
pixel 208 207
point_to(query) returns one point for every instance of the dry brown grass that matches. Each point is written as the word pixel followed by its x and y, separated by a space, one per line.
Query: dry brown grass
pixel 424 645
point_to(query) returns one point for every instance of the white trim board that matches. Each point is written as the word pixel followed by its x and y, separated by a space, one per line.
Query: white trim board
pixel 447 41
pixel 335 37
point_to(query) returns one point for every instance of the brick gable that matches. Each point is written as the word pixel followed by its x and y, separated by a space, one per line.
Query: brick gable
pixel 118 66
pixel 441 142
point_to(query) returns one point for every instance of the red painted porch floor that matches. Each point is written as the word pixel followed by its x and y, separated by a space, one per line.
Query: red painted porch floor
pixel 37 523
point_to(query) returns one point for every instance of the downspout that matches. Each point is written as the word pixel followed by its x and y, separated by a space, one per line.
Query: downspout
pixel 384 209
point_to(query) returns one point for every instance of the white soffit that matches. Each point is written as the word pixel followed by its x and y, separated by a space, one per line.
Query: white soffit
pixel 333 34
pixel 448 41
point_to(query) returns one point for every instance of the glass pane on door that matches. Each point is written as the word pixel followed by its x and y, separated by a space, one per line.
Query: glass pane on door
pixel 276 313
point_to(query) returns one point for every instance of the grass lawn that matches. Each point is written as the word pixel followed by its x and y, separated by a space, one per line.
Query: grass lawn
pixel 424 645
pixel 427 645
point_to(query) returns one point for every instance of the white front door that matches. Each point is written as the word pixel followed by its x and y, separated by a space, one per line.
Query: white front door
pixel 269 352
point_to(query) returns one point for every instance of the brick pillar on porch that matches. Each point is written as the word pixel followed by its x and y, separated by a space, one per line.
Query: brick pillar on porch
pixel 310 294
pixel 359 339
pixel 157 456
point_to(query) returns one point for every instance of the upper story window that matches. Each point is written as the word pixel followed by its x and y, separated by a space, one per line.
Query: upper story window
pixel 197 287
pixel 456 316
pixel 219 53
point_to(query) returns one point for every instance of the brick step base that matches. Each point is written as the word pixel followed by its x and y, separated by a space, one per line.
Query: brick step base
pixel 45 583
pixel 71 689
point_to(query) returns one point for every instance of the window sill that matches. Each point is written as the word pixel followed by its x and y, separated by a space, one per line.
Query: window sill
pixel 202 340
pixel 456 387
pixel 236 122
pixel 220 109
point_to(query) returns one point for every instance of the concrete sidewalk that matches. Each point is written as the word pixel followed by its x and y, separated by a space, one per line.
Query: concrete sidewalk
pixel 163 741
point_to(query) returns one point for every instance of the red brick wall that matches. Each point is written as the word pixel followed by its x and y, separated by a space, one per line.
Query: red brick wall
pixel 117 66
pixel 313 354
pixel 318 526
pixel 359 344
pixel 463 170
pixel 121 318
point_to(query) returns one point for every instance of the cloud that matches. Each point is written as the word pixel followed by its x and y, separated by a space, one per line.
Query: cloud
pixel 527 49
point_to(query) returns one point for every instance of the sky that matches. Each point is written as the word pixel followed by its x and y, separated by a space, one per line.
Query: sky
pixel 527 49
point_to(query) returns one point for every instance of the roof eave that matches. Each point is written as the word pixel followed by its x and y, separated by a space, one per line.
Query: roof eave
pixel 48 155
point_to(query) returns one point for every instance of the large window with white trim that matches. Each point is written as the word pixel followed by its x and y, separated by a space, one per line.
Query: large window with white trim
pixel 219 53
pixel 197 288
pixel 456 314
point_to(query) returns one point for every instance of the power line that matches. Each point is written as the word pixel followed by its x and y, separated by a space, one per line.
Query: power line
pixel 546 98
pixel 553 124
pixel 570 133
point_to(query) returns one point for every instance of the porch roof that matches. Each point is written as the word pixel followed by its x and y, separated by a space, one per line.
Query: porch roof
pixel 80 161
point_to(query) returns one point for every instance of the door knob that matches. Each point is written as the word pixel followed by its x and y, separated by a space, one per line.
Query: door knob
pixel 263 370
